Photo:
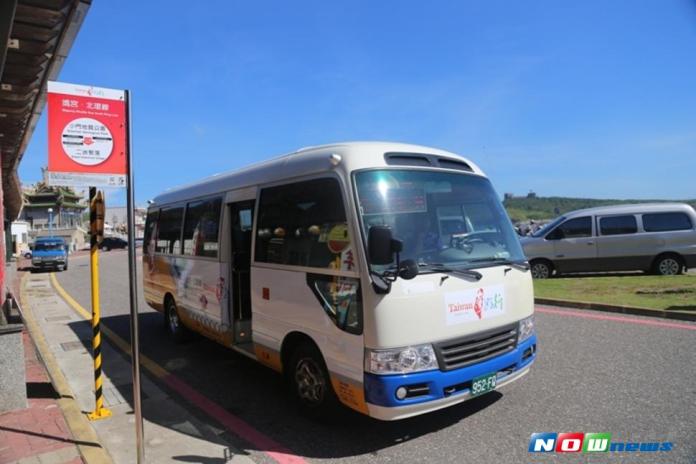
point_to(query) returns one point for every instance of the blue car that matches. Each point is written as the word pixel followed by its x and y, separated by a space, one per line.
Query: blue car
pixel 50 253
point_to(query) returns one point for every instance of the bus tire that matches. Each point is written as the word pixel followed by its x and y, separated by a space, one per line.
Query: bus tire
pixel 172 321
pixel 310 382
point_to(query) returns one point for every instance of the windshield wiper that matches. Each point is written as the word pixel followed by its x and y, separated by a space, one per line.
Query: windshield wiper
pixel 519 265
pixel 439 267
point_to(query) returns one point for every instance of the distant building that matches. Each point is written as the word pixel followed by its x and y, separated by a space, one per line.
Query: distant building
pixel 56 211
pixel 116 218
pixel 508 196
pixel 19 233
pixel 66 207
pixel 531 194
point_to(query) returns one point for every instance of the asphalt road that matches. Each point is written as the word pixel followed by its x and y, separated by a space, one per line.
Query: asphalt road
pixel 628 376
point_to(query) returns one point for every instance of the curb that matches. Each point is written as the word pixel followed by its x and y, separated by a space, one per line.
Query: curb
pixel 88 445
pixel 633 310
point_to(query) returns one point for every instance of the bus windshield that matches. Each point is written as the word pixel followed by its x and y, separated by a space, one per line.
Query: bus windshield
pixel 442 218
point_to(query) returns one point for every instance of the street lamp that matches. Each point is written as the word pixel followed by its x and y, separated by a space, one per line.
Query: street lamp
pixel 50 222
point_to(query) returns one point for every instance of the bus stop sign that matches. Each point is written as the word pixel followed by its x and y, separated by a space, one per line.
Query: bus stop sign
pixel 87 143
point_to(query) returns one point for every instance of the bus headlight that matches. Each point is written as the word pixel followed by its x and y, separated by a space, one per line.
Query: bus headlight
pixel 401 360
pixel 526 328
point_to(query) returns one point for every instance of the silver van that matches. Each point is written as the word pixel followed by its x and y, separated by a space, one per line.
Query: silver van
pixel 659 238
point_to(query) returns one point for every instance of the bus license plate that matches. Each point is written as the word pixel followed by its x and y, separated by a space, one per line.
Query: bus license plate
pixel 483 384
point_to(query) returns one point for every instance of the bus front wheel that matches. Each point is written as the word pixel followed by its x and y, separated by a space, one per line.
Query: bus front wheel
pixel 310 381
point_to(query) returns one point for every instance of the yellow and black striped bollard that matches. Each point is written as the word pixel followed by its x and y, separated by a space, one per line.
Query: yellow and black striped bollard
pixel 96 219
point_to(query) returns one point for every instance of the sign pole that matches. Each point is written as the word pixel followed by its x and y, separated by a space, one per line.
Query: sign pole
pixel 132 270
pixel 100 412
pixel 89 143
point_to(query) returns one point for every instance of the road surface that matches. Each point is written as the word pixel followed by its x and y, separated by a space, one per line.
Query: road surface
pixel 633 377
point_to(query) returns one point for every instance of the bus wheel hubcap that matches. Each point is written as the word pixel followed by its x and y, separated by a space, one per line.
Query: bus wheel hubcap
pixel 173 319
pixel 669 267
pixel 310 381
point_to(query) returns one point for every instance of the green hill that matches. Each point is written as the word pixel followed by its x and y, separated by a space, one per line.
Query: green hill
pixel 523 208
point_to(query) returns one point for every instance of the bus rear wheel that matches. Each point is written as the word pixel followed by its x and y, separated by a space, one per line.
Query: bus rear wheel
pixel 310 382
pixel 173 323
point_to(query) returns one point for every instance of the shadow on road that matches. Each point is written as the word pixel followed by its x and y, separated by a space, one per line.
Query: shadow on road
pixel 257 395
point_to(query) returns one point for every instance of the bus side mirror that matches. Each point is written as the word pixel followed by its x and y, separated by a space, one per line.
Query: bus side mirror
pixel 408 269
pixel 381 246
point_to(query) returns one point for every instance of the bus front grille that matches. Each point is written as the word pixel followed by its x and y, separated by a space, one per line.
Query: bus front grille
pixel 472 349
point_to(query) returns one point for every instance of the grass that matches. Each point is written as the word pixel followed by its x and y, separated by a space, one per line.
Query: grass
pixel 672 293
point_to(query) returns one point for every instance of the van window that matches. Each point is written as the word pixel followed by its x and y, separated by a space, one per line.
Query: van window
pixel 617 225
pixel 302 224
pixel 49 246
pixel 169 233
pixel 573 228
pixel 661 222
pixel 150 230
pixel 201 228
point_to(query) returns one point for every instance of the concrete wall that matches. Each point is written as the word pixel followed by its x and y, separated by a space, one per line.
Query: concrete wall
pixel 13 390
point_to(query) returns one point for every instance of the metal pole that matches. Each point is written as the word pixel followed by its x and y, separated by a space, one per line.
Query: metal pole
pixel 135 341
pixel 100 412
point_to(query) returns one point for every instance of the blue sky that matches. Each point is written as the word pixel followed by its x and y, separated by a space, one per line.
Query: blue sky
pixel 590 99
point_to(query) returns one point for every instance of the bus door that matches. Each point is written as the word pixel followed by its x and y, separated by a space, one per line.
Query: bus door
pixel 241 218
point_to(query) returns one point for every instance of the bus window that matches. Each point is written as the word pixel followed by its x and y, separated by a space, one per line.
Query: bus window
pixel 169 233
pixel 302 224
pixel 201 228
pixel 341 299
pixel 150 230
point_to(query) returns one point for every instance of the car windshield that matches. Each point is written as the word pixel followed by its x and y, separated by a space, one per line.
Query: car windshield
pixel 547 228
pixel 441 218
pixel 48 246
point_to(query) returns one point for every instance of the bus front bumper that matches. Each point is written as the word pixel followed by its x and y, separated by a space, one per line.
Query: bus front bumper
pixel 444 388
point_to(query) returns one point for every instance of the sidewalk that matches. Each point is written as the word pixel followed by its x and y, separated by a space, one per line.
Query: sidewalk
pixel 38 434
pixel 172 434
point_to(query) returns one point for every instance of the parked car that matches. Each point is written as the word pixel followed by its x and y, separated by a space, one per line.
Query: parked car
pixel 50 252
pixel 112 243
pixel 659 238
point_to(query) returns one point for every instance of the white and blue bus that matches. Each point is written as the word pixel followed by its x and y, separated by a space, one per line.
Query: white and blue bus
pixel 383 276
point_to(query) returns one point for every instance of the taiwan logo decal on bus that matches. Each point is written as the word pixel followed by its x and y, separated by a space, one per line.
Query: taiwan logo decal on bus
pixel 475 304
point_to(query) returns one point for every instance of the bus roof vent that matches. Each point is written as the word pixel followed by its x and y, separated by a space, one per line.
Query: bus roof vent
pixel 449 163
pixel 408 159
